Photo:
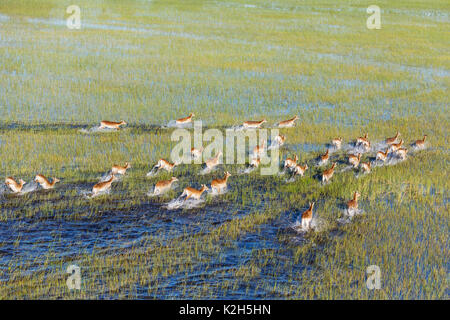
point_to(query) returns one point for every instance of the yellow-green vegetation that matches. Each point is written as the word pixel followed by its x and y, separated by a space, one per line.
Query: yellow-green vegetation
pixel 149 62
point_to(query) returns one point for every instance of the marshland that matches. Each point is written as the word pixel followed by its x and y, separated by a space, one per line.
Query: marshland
pixel 149 63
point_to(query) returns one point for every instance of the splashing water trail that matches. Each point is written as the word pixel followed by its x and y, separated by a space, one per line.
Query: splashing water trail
pixel 207 170
pixel 29 187
pixel 152 172
pixel 182 203
pixel 96 129
pixel 174 124
pixel 214 192
pixel 316 224
pixel 349 214
pixel 237 128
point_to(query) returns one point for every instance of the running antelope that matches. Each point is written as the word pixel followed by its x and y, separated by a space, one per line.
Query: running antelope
pixel 393 139
pixel 420 143
pixel 219 185
pixel 337 142
pixel 288 123
pixel 324 157
pixel 396 146
pixel 164 186
pixel 253 124
pixel 104 185
pixel 258 150
pixel 300 170
pixel 187 119
pixel 366 145
pixel 353 204
pixel 354 160
pixel 43 181
pixel 307 217
pixel 382 155
pixel 361 140
pixel 193 193
pixel 214 161
pixel 367 167
pixel 401 153
pixel 279 140
pixel 291 163
pixel 13 185
pixel 116 169
pixel 166 165
pixel 364 142
pixel 328 174
pixel 111 124
pixel 254 163
pixel 196 153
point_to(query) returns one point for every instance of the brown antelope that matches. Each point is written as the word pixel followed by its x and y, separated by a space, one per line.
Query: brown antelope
pixel 13 185
pixel 324 157
pixel 362 140
pixel 43 181
pixel 258 150
pixel 255 162
pixel 393 139
pixel 288 123
pixel 166 165
pixel 214 161
pixel 300 170
pixel 367 167
pixel 420 143
pixel 111 124
pixel 279 140
pixel 353 204
pixel 187 119
pixel 219 185
pixel 354 160
pixel 193 193
pixel 337 142
pixel 395 146
pixel 307 217
pixel 366 145
pixel 196 153
pixel 116 169
pixel 291 163
pixel 163 186
pixel 104 185
pixel 401 153
pixel 382 155
pixel 328 174
pixel 253 124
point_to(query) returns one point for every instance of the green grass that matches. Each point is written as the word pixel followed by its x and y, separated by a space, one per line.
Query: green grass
pixel 228 63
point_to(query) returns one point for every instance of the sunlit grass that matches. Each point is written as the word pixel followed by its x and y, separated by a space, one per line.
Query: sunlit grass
pixel 149 63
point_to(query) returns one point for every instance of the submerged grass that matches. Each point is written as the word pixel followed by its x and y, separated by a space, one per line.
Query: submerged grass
pixel 154 62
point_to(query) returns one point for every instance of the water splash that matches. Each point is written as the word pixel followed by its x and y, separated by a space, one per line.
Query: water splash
pixel 237 128
pixel 182 203
pixel 207 170
pixel 97 129
pixel 174 124
pixel 349 214
pixel 214 192
pixel 316 224
pixel 88 194
pixel 153 172
pixel 418 148
pixel 247 170
pixel 29 187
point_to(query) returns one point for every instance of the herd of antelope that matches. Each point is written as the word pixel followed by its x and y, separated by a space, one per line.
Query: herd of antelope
pixel 394 148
